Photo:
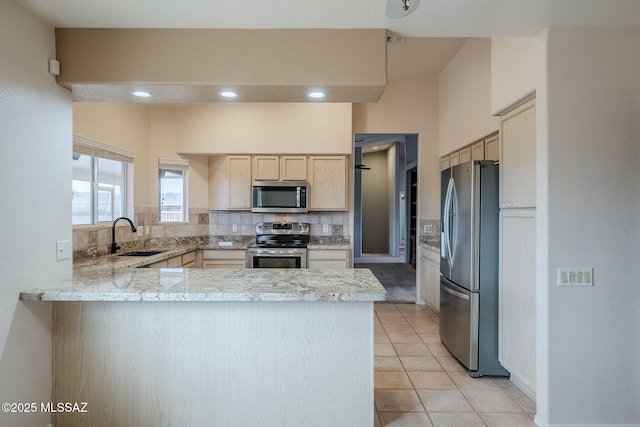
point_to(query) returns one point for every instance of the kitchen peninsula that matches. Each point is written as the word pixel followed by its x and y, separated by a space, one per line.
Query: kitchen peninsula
pixel 196 347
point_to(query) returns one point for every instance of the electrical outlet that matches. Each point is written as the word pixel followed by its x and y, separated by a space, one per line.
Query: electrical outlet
pixel 325 228
pixel 428 228
pixel 63 250
pixel 575 276
pixel 234 228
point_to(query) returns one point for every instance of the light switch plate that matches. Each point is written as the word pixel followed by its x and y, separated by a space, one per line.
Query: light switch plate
pixel 63 250
pixel 325 228
pixel 428 228
pixel 575 276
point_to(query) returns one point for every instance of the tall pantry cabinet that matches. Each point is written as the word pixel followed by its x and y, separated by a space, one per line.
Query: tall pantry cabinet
pixel 517 305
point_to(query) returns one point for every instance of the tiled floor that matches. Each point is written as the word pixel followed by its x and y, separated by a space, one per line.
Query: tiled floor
pixel 418 383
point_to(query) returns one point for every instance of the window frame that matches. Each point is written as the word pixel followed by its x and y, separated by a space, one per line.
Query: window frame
pixel 167 164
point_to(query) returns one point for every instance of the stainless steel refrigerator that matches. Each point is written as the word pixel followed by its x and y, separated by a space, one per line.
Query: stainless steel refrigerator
pixel 469 266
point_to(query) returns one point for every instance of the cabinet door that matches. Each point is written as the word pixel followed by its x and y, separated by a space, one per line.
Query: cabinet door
pixel 433 281
pixel 477 151
pixel 492 148
pixel 444 163
pixel 465 155
pixel 328 182
pixel 327 258
pixel 266 168
pixel 423 276
pixel 293 168
pixel 454 159
pixel 239 182
pixel 518 157
pixel 517 301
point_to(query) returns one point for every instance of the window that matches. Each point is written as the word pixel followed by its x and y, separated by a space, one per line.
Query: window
pixel 172 190
pixel 99 182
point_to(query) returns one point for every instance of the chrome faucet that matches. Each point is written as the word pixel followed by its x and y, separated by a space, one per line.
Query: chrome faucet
pixel 115 247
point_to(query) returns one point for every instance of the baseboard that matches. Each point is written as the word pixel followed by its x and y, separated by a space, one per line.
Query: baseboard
pixel 540 424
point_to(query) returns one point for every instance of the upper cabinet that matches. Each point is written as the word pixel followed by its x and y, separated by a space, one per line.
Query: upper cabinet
pixel 518 168
pixel 279 168
pixel 487 148
pixel 230 182
pixel 230 179
pixel 327 176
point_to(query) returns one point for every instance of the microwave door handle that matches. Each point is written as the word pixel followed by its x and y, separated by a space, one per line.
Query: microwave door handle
pixel 298 189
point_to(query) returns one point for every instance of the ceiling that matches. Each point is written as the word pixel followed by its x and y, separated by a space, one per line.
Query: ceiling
pixel 433 33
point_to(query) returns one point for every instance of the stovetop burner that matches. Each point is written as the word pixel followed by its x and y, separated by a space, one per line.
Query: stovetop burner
pixel 281 235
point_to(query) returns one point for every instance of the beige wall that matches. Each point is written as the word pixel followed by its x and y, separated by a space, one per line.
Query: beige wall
pixel 35 146
pixel 410 106
pixel 514 66
pixel 465 97
pixel 120 125
pixel 267 128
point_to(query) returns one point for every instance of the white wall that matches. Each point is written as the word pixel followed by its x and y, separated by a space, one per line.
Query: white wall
pixel 513 70
pixel 589 198
pixel 465 97
pixel 35 146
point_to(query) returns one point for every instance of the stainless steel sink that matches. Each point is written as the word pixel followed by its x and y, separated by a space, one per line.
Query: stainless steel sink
pixel 142 253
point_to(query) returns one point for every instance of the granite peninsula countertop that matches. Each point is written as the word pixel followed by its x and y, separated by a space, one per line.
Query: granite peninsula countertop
pixel 119 278
pixel 178 284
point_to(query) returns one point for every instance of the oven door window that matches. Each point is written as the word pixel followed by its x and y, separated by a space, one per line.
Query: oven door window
pixel 276 261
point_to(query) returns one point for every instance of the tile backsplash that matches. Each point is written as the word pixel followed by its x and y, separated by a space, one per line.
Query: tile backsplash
pixel 95 240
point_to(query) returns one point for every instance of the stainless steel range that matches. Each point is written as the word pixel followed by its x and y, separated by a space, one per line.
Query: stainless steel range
pixel 279 245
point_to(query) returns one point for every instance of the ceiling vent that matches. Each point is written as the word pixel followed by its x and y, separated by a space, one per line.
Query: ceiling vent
pixel 395 38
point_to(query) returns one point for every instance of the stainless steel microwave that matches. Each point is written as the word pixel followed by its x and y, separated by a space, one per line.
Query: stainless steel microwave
pixel 280 196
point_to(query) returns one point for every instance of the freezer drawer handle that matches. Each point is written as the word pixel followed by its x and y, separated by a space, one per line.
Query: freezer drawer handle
pixel 455 293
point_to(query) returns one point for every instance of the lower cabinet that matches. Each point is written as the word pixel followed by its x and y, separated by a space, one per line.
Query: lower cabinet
pixel 179 261
pixel 224 258
pixel 429 278
pixel 329 259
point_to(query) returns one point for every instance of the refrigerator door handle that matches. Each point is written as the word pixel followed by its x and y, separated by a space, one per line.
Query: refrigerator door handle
pixel 446 229
pixel 455 293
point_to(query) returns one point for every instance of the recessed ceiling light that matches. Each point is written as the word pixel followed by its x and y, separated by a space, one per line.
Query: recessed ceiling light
pixel 316 94
pixel 228 94
pixel 141 94
pixel 375 148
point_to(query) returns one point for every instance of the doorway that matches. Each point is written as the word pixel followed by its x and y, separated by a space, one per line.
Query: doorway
pixel 385 211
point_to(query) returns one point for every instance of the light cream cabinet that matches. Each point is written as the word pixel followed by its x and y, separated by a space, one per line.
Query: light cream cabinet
pixel 518 165
pixel 477 151
pixel 327 176
pixel 230 182
pixel 465 155
pixel 492 148
pixel 444 163
pixel 429 278
pixel 279 168
pixel 224 258
pixel 328 259
pixel 454 159
pixel 517 261
pixel 179 261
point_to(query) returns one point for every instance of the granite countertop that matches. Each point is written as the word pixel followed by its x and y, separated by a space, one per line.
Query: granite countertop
pixel 430 241
pixel 118 278
pixel 176 284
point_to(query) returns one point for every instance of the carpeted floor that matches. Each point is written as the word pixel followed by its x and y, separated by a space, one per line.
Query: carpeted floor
pixel 398 279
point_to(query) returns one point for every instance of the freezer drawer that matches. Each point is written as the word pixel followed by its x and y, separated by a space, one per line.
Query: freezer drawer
pixel 459 309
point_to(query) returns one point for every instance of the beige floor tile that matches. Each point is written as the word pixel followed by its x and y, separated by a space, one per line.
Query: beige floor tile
pixel 389 363
pixel 381 338
pixel 426 329
pixel 507 420
pixel 438 349
pixel 397 400
pixel 430 338
pixel 394 320
pixel 383 350
pixel 456 419
pixel 394 328
pixel 412 350
pixel 491 401
pixel 411 338
pixel 420 363
pixel 444 401
pixel 516 394
pixel 430 380
pixel 405 419
pixel 391 380
pixel 385 308
pixel 465 382
pixel 450 364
